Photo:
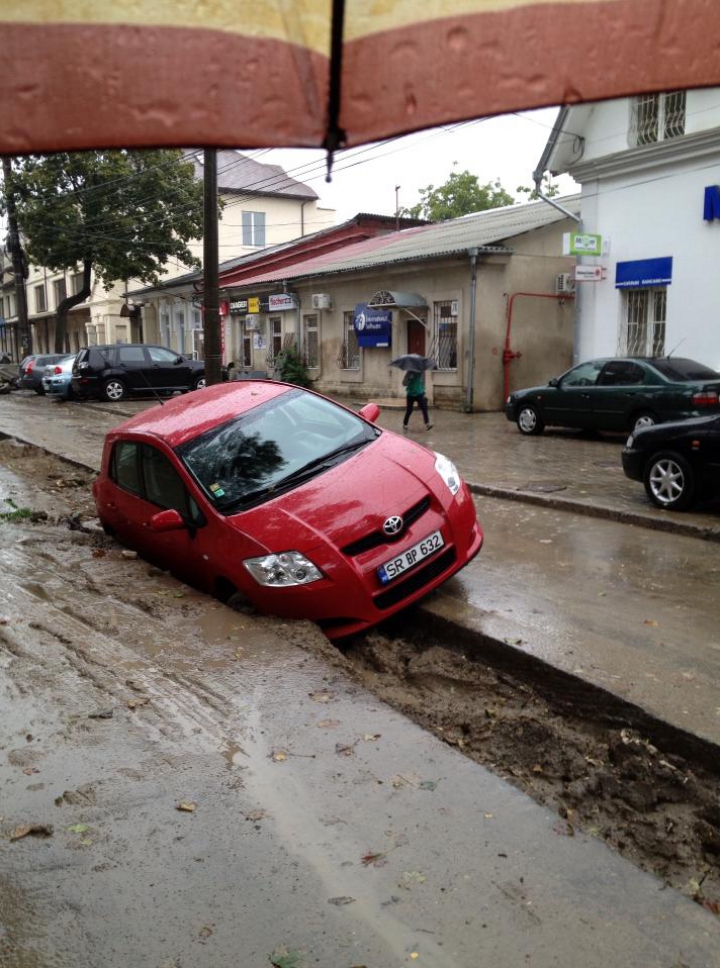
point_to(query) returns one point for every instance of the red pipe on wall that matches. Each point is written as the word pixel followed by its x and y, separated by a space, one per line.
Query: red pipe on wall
pixel 508 354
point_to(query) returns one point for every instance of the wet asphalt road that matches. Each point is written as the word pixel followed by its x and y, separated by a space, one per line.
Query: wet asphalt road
pixel 471 871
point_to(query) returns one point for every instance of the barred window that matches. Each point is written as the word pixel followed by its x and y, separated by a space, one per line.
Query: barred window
pixel 311 341
pixel 275 338
pixel 645 318
pixel 445 334
pixel 657 117
pixel 350 353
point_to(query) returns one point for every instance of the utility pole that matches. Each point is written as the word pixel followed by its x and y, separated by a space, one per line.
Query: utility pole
pixel 211 324
pixel 18 262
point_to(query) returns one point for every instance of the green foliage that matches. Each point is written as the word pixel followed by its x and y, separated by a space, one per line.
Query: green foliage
pixel 461 194
pixel 291 368
pixel 17 514
pixel 549 189
pixel 125 213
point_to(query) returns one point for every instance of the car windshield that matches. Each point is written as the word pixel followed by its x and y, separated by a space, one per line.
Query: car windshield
pixel 273 448
pixel 685 370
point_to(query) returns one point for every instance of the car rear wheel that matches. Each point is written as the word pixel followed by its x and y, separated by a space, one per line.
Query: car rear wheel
pixel 113 390
pixel 642 420
pixel 529 421
pixel 199 383
pixel 670 482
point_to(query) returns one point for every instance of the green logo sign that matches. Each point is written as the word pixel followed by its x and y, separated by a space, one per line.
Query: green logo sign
pixel 582 243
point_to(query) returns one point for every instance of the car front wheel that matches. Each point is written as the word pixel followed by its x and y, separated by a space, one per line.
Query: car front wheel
pixel 113 390
pixel 199 383
pixel 642 420
pixel 670 482
pixel 529 421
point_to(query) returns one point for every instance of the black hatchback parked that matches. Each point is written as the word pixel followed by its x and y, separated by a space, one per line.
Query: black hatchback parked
pixel 119 370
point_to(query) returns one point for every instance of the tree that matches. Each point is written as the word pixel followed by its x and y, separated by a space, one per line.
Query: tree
pixel 549 189
pixel 120 214
pixel 291 367
pixel 461 194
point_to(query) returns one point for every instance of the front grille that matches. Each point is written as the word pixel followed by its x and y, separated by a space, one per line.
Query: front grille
pixel 376 538
pixel 416 581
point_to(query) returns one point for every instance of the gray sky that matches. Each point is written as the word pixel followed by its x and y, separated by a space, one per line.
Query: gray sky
pixel 364 179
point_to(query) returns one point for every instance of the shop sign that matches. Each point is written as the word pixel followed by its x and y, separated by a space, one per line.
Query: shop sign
pixel 239 306
pixel 642 273
pixel 589 273
pixel 253 304
pixel 281 302
pixel 582 243
pixel 373 326
pixel 224 307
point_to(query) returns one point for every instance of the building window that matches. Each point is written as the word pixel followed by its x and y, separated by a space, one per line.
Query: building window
pixel 40 299
pixel 60 290
pixel 274 338
pixel 644 329
pixel 76 282
pixel 350 353
pixel 444 349
pixel 253 228
pixel 311 341
pixel 657 117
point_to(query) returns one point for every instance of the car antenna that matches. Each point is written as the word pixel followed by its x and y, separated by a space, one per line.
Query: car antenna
pixel 676 347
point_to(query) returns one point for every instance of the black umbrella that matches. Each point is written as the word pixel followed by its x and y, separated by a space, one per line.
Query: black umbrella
pixel 413 363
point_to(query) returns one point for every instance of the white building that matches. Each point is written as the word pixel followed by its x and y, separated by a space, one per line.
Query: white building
pixel 649 170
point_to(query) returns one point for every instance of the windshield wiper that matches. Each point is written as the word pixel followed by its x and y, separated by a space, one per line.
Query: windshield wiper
pixel 320 462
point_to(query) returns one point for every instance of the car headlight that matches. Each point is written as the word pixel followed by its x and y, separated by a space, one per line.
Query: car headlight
pixel 448 471
pixel 630 441
pixel 286 568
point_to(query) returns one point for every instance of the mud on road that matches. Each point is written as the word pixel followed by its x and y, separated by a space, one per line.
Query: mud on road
pixel 659 808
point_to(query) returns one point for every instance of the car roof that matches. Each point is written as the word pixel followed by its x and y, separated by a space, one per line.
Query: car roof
pixel 190 415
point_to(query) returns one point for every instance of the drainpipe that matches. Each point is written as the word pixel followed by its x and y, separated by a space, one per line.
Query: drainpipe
pixel 473 253
pixel 302 218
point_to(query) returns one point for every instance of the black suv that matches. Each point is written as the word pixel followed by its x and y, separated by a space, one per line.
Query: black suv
pixel 119 370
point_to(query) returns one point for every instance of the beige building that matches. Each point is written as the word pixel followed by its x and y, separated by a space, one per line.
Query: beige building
pixel 487 296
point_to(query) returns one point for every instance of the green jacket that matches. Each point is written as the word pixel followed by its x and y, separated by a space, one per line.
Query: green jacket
pixel 416 385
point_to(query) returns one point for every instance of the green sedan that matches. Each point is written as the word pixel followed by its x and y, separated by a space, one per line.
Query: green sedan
pixel 618 394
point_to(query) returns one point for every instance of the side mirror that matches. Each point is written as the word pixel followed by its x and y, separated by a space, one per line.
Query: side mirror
pixel 180 359
pixel 553 382
pixel 370 412
pixel 170 520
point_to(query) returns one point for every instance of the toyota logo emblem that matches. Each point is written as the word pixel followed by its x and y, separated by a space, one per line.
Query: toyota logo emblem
pixel 393 525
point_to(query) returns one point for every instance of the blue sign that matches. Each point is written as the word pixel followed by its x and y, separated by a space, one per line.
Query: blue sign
pixel 643 272
pixel 373 326
pixel 711 205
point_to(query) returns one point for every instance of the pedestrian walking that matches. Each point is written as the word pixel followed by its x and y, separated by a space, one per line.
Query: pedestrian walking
pixel 414 384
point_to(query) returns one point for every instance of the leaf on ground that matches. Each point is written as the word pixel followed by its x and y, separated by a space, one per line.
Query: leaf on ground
pixel 135 703
pixel 32 830
pixel 328 723
pixel 78 828
pixel 256 815
pixel 338 901
pixel 374 860
pixel 279 755
pixel 368 737
pixel 186 806
pixel 651 621
pixel 321 696
pixel 406 779
pixel 285 958
pixel 429 784
pixel 411 877
pixel 342 749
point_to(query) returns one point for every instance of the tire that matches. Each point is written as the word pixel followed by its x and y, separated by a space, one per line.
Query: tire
pixel 670 482
pixel 40 391
pixel 642 420
pixel 529 421
pixel 113 390
pixel 240 603
pixel 200 383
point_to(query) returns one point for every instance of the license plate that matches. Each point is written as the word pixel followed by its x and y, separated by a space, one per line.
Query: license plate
pixel 408 559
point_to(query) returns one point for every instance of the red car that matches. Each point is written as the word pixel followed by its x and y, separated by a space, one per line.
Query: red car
pixel 266 494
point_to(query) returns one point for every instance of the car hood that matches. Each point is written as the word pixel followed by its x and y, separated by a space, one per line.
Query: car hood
pixel 347 502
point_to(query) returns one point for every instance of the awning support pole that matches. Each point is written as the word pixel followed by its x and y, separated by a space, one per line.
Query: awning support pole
pixel 473 253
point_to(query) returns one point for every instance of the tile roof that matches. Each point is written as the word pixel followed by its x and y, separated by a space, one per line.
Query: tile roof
pixel 238 173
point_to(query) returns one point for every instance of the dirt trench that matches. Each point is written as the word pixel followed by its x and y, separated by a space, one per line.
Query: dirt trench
pixel 602 776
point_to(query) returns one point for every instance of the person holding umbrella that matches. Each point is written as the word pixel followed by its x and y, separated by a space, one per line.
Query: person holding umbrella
pixel 414 383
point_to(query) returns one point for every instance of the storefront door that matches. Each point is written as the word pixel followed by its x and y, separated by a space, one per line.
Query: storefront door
pixel 416 337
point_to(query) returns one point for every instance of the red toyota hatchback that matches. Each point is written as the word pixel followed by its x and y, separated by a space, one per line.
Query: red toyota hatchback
pixel 263 493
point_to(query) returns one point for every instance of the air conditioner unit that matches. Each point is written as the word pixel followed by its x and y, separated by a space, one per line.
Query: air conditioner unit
pixel 564 283
pixel 321 300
